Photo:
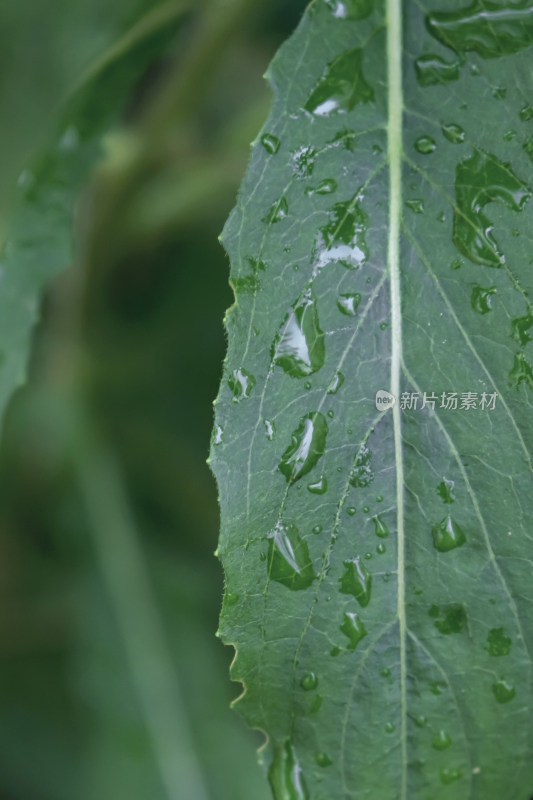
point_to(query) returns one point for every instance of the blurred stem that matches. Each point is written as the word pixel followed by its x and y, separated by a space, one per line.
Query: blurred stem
pixel 129 587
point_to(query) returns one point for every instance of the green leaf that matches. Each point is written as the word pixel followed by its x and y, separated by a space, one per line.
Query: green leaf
pixel 382 244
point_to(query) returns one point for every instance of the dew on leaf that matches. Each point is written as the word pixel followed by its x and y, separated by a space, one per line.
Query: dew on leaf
pixel 432 70
pixel 278 211
pixel 425 145
pixel 331 413
pixel 520 329
pixel 381 548
pixel 348 303
pixel 454 133
pixel 241 384
pixel 285 775
pixel 299 347
pixel 317 529
pixel 416 205
pixel 479 180
pixel 309 682
pixel 351 9
pixel 385 672
pixel 353 628
pixel 481 298
pixel 509 135
pixel 436 687
pixel 288 558
pixel 351 511
pixel 319 487
pixel 336 383
pixel 441 741
pixel 356 581
pixel 503 691
pixel 342 86
pixel 361 474
pixel 420 721
pixel 327 186
pixel 379 498
pixel 380 529
pixel 498 644
pixel 343 238
pixel 307 446
pixel 323 760
pixel 270 142
pixel 447 535
pixel 456 263
pixel 390 727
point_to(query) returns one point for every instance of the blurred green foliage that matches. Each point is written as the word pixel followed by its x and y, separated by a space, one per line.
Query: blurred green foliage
pixel 125 132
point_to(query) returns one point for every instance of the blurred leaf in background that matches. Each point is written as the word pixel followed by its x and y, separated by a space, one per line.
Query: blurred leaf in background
pixel 125 132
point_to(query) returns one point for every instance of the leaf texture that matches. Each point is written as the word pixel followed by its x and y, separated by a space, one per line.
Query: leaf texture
pixel 378 556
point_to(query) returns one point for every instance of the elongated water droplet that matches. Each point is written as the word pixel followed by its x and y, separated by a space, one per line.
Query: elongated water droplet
pixel 270 142
pixel 278 211
pixel 498 644
pixel 327 186
pixel 447 535
pixel 520 329
pixel 357 581
pixel 299 347
pixel 504 692
pixel 425 145
pixel 479 180
pixel 454 133
pixel 449 619
pixel 432 70
pixel 343 238
pixel 319 487
pixel 380 529
pixel 441 741
pixel 336 383
pixel 445 490
pixel 241 384
pixel 353 628
pixel 362 475
pixel 481 300
pixel 288 558
pixel 306 448
pixel 285 775
pixel 342 86
pixel 348 303
pixel 309 682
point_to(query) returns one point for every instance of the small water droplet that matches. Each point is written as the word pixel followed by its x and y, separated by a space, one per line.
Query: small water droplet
pixel 456 264
pixel 319 487
pixel 380 529
pixel 383 326
pixel 390 727
pixel 270 142
pixel 385 672
pixel 504 692
pixel 342 86
pixel 425 145
pixel 336 383
pixel 481 300
pixel 381 548
pixel 299 347
pixel 420 721
pixel 351 9
pixel 526 113
pixel 348 303
pixel 307 446
pixel 323 760
pixel 351 511
pixel 241 384
pixel 436 687
pixel 317 529
pixel 450 775
pixel 509 135
pixel 447 535
pixel 454 133
pixel 327 186
pixel 416 205
pixel 366 509
pixel 379 498
pixel 445 490
pixel 441 741
pixel 316 704
pixel 353 628
pixel 278 211
pixel 498 644
pixel 309 682
pixel 231 599
pixel 285 775
pixel 289 560
pixel 522 372
pixel 357 581
pixel 432 70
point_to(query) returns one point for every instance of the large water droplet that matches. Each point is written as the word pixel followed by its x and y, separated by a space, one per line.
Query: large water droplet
pixel 288 558
pixel 380 529
pixel 357 581
pixel 343 238
pixel 498 644
pixel 504 692
pixel 342 86
pixel 447 535
pixel 454 133
pixel 348 303
pixel 449 619
pixel 361 474
pixel 307 446
pixel 441 741
pixel 479 180
pixel 353 628
pixel 285 775
pixel 299 347
pixel 270 142
pixel 241 384
pixel 481 299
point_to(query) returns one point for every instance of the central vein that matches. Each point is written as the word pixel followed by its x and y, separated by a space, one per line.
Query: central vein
pixel 395 110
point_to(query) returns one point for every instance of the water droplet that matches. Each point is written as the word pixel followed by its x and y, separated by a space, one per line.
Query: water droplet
pixel 353 628
pixel 320 487
pixel 447 535
pixel 456 264
pixel 270 429
pixel 342 86
pixel 351 9
pixel 323 760
pixel 351 511
pixel 521 372
pixel 432 70
pixel 299 347
pixel 368 556
pixel 366 509
pixel 441 741
pixel 303 161
pixel 380 529
pixel 241 384
pixel 390 727
pixel 481 300
pixel 357 581
pixel 479 180
pixel 336 383
pixel 270 142
pixel 327 186
pixel 309 682
pixel 445 490
pixel 343 238
pixel 361 475
pixel 381 548
pixel 526 113
pixel 385 672
pixel 348 303
pixel 504 692
pixel 307 385
pixel 425 145
pixel 498 644
pixel 449 775
pixel 420 721
pixel 288 558
pixel 449 618
pixel 436 687
pixel 231 599
pixel 317 529
pixel 278 211
pixel 316 704
pixel 454 133
pixel 379 498
pixel 509 135
pixel 307 446
pixel 416 205
pixel 331 413
pixel 527 147
pixel 520 327
pixel 285 775
pixel 218 435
